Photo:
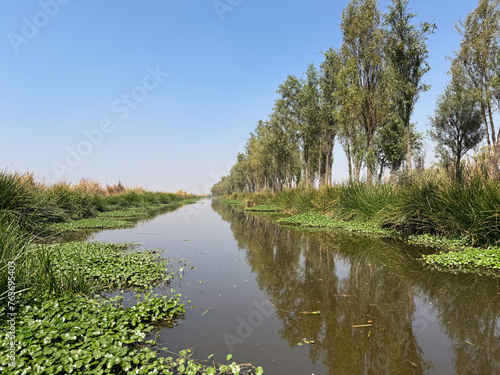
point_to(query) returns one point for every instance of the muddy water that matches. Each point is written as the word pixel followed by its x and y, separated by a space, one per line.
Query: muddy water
pixel 332 302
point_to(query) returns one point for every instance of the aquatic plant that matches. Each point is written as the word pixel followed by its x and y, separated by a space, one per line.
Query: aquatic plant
pixel 466 258
pixel 263 208
pixel 231 201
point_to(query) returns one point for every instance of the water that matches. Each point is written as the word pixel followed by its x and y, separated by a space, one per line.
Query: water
pixel 260 290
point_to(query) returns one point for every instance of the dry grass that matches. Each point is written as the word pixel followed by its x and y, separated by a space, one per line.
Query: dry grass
pixel 116 189
pixel 89 186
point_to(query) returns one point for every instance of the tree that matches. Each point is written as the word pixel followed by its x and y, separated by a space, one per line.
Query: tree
pixel 457 124
pixel 363 48
pixel 407 54
pixel 309 131
pixel 476 66
pixel 390 145
pixel 329 108
pixel 351 132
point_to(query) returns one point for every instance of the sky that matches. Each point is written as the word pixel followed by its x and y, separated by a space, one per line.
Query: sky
pixel 163 94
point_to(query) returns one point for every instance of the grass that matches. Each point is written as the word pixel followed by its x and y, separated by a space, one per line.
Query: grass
pixel 427 208
pixel 124 213
pixel 33 205
pixel 231 201
pixel 98 223
pixel 68 329
pixel 29 208
pixel 315 220
pixel 263 208
pixel 54 317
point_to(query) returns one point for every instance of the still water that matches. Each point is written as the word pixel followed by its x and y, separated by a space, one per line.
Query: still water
pixel 319 302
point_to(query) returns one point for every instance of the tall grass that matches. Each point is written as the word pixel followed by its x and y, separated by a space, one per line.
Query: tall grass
pixel 435 204
pixel 27 206
pixel 15 257
pixel 428 202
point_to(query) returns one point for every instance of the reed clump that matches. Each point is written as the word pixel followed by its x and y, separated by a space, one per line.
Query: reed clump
pixel 429 202
pixel 27 207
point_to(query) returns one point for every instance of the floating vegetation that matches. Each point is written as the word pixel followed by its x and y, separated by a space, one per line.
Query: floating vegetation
pixel 122 213
pixel 74 334
pixel 315 220
pixel 231 201
pixel 63 331
pixel 111 266
pixel 263 208
pixel 466 258
pixel 90 224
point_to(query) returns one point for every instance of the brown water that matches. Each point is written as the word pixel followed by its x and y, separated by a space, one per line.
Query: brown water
pixel 260 289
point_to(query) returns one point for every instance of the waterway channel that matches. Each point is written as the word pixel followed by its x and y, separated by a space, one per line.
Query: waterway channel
pixel 318 302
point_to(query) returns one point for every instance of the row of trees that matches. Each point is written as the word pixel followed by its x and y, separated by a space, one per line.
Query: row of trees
pixel 363 96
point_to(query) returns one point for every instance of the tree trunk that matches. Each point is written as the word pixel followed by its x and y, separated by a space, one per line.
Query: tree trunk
pixel 349 160
pixel 493 161
pixel 357 171
pixel 370 162
pixel 329 159
pixel 408 149
pixel 494 149
pixel 380 173
pixel 458 171
pixel 306 167
pixel 393 176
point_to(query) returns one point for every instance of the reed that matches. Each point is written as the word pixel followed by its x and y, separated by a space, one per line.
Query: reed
pixel 27 207
pixel 425 203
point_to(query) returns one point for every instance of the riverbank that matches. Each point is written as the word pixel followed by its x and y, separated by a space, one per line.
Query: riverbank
pixel 459 222
pixel 81 307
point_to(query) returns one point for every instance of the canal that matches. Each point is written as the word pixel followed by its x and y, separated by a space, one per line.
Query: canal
pixel 317 302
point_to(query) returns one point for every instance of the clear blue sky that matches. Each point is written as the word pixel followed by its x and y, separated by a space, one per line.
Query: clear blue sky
pixel 69 66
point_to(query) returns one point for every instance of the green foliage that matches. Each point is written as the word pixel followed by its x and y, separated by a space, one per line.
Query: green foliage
pixel 429 203
pixel 33 205
pixel 407 55
pixel 91 336
pixel 263 208
pixel 476 67
pixel 124 213
pixel 25 203
pixel 110 266
pixel 16 258
pixel 468 258
pixel 457 125
pixel 231 201
pixel 90 224
pixel 315 220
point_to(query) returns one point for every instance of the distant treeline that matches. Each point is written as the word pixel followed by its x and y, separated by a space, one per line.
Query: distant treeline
pixel 363 95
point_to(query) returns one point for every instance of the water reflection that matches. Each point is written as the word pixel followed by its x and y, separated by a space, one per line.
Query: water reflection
pixel 417 321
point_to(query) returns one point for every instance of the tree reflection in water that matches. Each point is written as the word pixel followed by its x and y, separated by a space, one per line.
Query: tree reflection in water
pixel 356 279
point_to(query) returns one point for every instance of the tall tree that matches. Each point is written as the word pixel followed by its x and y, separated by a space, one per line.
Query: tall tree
pixel 330 69
pixel 407 54
pixel 457 124
pixel 309 133
pixel 351 132
pixel 390 145
pixel 363 46
pixel 476 64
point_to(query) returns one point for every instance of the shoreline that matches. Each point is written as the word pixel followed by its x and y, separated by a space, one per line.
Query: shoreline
pixel 452 254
